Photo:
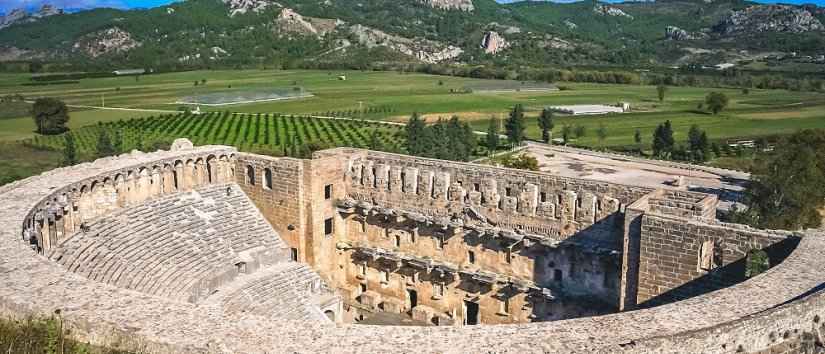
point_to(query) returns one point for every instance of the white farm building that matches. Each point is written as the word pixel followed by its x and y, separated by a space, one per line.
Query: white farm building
pixel 585 109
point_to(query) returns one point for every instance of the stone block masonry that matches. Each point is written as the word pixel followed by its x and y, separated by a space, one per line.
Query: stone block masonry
pixel 780 310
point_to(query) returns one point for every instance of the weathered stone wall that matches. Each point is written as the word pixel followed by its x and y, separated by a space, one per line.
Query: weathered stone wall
pixel 671 265
pixel 279 197
pixel 531 201
pixel 581 281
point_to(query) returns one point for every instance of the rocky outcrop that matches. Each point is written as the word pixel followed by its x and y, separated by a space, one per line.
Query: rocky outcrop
pixel 555 43
pixel 768 18
pixel 673 33
pixel 607 10
pixel 292 22
pixel 421 49
pixel 492 43
pixel 462 5
pixel 22 16
pixel 243 6
pixel 570 24
pixel 109 41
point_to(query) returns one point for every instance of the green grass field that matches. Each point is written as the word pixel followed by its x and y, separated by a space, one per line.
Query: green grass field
pixel 394 96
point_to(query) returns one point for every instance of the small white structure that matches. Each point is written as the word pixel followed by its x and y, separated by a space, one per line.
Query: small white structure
pixel 129 72
pixel 584 109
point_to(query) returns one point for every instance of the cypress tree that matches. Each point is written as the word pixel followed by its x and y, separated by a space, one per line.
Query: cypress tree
pixel 515 125
pixel 416 142
pixel 546 124
pixel 69 151
pixel 492 135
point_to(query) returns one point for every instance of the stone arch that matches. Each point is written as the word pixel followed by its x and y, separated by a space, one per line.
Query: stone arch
pixel 200 172
pixel 211 169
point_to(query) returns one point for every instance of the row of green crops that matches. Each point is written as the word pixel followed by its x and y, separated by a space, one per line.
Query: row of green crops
pixel 248 132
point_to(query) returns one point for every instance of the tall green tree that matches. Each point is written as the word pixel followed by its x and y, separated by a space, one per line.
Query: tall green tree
pixel 492 139
pixel 104 144
pixel 416 140
pixel 69 150
pixel 661 90
pixel 698 144
pixel 514 126
pixel 546 124
pixel 663 141
pixel 786 188
pixel 50 115
pixel 716 102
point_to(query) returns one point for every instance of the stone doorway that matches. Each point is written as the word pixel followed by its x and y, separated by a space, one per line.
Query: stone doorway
pixel 413 295
pixel 470 313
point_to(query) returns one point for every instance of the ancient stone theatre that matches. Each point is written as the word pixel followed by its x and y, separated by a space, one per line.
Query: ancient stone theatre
pixel 210 250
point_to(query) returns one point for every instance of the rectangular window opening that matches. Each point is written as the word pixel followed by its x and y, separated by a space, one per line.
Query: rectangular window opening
pixel 328 229
pixel 328 192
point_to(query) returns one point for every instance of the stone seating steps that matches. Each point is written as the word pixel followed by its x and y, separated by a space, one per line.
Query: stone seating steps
pixel 280 291
pixel 165 245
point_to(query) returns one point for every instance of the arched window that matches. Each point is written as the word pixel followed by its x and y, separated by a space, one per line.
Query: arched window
pixel 268 178
pixel 250 175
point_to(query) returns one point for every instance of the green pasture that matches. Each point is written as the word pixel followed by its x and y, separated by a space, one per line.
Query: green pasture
pixel 393 96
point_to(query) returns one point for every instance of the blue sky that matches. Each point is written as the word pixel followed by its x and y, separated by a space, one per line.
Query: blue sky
pixel 7 5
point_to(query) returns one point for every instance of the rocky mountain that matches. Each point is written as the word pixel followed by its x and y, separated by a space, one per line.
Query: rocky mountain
pixel 22 16
pixel 238 33
pixel 769 18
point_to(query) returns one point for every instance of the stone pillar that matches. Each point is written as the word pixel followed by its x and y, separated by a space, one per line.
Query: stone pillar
pixel 179 176
pixel 143 186
pixel 131 188
pixel 156 187
pixel 456 193
pixel 382 177
pixel 396 184
pixel 357 171
pixel 425 183
pixel 528 200
pixel 587 212
pixel 168 180
pixel 411 180
pixel 120 190
pixel 367 175
pixel 489 193
pixel 200 168
pixel 568 205
pixel 441 185
pixel 45 232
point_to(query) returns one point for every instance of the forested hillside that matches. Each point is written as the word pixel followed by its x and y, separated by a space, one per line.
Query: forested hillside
pixel 301 33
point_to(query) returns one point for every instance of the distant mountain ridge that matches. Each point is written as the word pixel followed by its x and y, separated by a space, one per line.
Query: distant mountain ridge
pixel 209 33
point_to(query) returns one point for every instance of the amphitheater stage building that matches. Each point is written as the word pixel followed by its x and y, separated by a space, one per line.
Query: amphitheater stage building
pixel 210 250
